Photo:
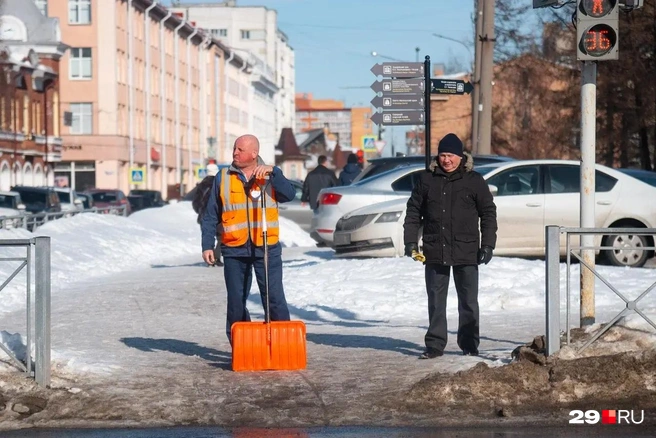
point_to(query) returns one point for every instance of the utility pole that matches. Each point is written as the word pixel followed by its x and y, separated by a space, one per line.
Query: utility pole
pixel 588 140
pixel 487 75
pixel 476 76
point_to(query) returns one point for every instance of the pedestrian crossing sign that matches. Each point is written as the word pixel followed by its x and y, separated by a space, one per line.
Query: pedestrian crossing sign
pixel 201 172
pixel 136 175
pixel 369 143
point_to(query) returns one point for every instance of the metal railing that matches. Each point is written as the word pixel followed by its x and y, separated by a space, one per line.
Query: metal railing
pixel 30 221
pixel 41 316
pixel 552 267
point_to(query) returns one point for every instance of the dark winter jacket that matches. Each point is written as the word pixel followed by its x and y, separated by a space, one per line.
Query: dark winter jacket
pixel 320 178
pixel 449 207
pixel 348 174
pixel 201 195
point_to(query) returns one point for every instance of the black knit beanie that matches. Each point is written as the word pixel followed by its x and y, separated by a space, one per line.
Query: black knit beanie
pixel 450 144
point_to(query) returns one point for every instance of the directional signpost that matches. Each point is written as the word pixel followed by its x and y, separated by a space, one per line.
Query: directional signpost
pixel 398 102
pixel 399 69
pixel 403 95
pixel 398 118
pixel 450 86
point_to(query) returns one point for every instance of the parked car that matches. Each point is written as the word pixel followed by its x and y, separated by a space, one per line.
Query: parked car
pixel 109 198
pixel 87 200
pixel 69 199
pixel 152 198
pixel 334 202
pixel 646 176
pixel 136 202
pixel 529 196
pixel 295 210
pixel 39 199
pixel 11 206
pixel 380 165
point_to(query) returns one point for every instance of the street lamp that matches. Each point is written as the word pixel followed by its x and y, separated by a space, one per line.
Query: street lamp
pixel 374 53
pixel 475 95
pixel 471 57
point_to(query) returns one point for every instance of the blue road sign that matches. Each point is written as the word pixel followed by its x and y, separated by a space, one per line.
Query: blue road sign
pixel 136 176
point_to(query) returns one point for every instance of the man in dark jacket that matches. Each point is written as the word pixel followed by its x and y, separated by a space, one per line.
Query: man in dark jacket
pixel 319 178
pixel 350 171
pixel 448 202
pixel 199 204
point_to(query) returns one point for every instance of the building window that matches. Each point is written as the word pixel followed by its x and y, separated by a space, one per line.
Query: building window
pixel 43 6
pixel 55 114
pixel 82 118
pixel 79 11
pixel 218 33
pixel 80 63
pixel 245 34
pixel 26 115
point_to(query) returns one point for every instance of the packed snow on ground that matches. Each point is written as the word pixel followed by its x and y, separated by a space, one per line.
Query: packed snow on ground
pixel 90 246
pixel 379 298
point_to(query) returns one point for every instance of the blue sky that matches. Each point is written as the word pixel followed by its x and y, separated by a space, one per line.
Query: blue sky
pixel 333 40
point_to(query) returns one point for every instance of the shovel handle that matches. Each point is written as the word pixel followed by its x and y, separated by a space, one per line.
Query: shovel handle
pixel 267 315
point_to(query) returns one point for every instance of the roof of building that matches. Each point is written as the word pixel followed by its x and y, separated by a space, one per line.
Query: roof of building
pixel 339 157
pixel 40 29
pixel 305 139
pixel 288 146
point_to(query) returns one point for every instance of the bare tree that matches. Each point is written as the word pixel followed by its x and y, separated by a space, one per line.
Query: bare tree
pixel 626 102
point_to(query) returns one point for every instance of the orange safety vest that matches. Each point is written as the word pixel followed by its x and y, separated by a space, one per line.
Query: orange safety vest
pixel 242 212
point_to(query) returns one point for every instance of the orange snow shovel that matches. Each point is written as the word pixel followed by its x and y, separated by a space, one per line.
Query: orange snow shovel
pixel 268 345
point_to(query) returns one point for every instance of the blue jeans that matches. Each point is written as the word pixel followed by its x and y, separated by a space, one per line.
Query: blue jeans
pixel 238 274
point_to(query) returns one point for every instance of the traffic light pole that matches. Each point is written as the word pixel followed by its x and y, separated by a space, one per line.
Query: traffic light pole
pixel 427 111
pixel 588 158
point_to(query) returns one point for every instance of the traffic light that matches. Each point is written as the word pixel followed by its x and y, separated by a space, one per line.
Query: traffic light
pixel 597 30
pixel 360 154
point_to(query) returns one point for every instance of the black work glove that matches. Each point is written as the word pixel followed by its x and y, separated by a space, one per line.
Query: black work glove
pixel 484 255
pixel 409 248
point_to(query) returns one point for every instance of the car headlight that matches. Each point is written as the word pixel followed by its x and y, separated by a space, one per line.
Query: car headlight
pixel 393 216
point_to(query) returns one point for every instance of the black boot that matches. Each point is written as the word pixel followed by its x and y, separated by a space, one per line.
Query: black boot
pixel 431 353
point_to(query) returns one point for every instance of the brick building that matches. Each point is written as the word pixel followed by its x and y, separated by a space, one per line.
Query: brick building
pixel 30 117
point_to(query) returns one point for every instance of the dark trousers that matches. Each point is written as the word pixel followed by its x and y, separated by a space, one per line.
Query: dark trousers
pixel 437 286
pixel 238 274
pixel 217 248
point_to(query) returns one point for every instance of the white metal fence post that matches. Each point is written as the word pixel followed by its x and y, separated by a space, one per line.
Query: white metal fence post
pixel 552 266
pixel 42 310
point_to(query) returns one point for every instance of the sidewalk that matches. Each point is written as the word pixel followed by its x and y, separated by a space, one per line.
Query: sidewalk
pixel 148 348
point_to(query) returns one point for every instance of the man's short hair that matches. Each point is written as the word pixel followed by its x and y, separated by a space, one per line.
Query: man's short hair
pixel 322 159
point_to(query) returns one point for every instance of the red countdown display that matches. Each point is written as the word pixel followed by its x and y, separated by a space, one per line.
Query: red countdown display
pixel 599 40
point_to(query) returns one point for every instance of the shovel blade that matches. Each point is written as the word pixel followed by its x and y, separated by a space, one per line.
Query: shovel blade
pixel 253 351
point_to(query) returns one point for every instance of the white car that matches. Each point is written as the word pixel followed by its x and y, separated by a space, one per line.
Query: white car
pixel 335 202
pixel 69 199
pixel 529 195
pixel 11 209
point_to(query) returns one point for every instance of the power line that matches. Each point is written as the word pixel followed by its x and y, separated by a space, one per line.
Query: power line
pixel 364 28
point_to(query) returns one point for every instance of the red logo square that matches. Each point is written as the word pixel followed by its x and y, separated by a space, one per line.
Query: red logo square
pixel 608 416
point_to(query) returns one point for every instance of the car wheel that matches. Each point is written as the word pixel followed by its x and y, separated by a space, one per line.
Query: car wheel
pixel 627 250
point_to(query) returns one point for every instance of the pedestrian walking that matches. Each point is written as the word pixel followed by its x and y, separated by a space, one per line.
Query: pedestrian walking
pixel 449 201
pixel 234 203
pixel 199 204
pixel 350 171
pixel 319 178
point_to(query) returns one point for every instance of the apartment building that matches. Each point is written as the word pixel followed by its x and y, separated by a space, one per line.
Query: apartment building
pixel 144 92
pixel 252 32
pixel 349 125
pixel 30 51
